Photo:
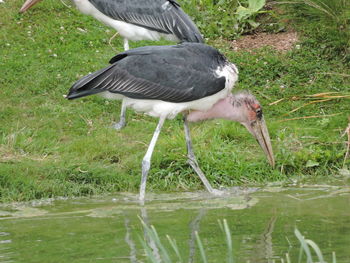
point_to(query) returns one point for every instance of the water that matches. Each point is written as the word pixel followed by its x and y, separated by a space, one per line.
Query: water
pixel 109 229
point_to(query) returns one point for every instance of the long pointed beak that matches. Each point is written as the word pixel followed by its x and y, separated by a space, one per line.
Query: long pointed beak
pixel 259 130
pixel 28 4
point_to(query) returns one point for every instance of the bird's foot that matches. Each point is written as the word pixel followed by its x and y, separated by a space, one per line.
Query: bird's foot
pixel 119 125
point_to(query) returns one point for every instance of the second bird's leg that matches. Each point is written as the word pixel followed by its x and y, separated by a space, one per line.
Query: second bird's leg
pixel 146 162
pixel 194 164
pixel 126 44
pixel 122 121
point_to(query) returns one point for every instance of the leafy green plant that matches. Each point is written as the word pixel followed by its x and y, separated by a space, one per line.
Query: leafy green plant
pixel 228 19
pixel 246 15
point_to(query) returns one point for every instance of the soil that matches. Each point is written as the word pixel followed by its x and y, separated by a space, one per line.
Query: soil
pixel 282 41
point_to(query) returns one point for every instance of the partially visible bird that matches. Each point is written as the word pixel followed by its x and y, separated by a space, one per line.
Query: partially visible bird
pixel 189 78
pixel 139 20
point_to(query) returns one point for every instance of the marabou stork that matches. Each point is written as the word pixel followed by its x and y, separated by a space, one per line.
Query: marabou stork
pixel 139 20
pixel 189 78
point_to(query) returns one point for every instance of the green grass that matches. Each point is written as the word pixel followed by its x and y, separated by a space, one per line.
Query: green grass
pixel 53 147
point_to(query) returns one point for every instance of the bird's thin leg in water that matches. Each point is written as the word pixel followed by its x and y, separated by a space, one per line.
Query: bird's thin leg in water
pixel 146 162
pixel 126 44
pixel 130 242
pixel 194 225
pixel 194 164
pixel 122 121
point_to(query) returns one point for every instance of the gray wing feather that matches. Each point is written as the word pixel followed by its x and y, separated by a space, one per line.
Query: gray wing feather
pixel 164 16
pixel 118 80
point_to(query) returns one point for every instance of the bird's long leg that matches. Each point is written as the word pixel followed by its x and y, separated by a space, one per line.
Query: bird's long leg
pixel 193 161
pixel 126 44
pixel 122 121
pixel 146 162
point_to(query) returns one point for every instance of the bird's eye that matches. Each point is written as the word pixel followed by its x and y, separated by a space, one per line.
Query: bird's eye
pixel 259 113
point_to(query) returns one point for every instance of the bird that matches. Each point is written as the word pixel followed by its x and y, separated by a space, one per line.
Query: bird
pixel 139 20
pixel 192 79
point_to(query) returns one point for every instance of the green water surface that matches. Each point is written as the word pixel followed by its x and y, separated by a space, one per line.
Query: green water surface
pixel 109 229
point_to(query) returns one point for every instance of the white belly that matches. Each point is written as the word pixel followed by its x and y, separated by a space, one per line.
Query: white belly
pixel 158 108
pixel 128 31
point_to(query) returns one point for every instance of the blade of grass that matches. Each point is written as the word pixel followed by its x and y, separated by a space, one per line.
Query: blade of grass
pixel 306 104
pixel 337 97
pixel 316 249
pixel 277 101
pixel 201 248
pixel 322 94
pixel 153 235
pixel 160 245
pixel 149 251
pixel 310 117
pixel 300 254
pixel 288 258
pixel 175 248
pixel 228 242
pixel 324 9
pixel 334 259
pixel 226 230
pixel 304 245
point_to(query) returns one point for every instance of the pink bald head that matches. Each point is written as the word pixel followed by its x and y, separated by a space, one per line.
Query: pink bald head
pixel 244 108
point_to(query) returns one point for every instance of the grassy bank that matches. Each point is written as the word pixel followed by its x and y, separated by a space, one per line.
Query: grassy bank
pixel 53 147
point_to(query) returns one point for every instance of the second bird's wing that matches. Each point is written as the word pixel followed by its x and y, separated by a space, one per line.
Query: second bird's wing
pixel 164 16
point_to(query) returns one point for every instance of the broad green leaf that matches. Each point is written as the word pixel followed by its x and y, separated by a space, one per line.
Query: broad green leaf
pixel 311 163
pixel 256 5
pixel 242 12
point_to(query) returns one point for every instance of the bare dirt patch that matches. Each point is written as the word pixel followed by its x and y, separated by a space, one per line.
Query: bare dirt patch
pixel 282 41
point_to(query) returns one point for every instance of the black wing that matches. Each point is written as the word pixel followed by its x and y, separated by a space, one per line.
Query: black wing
pixel 164 16
pixel 180 73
